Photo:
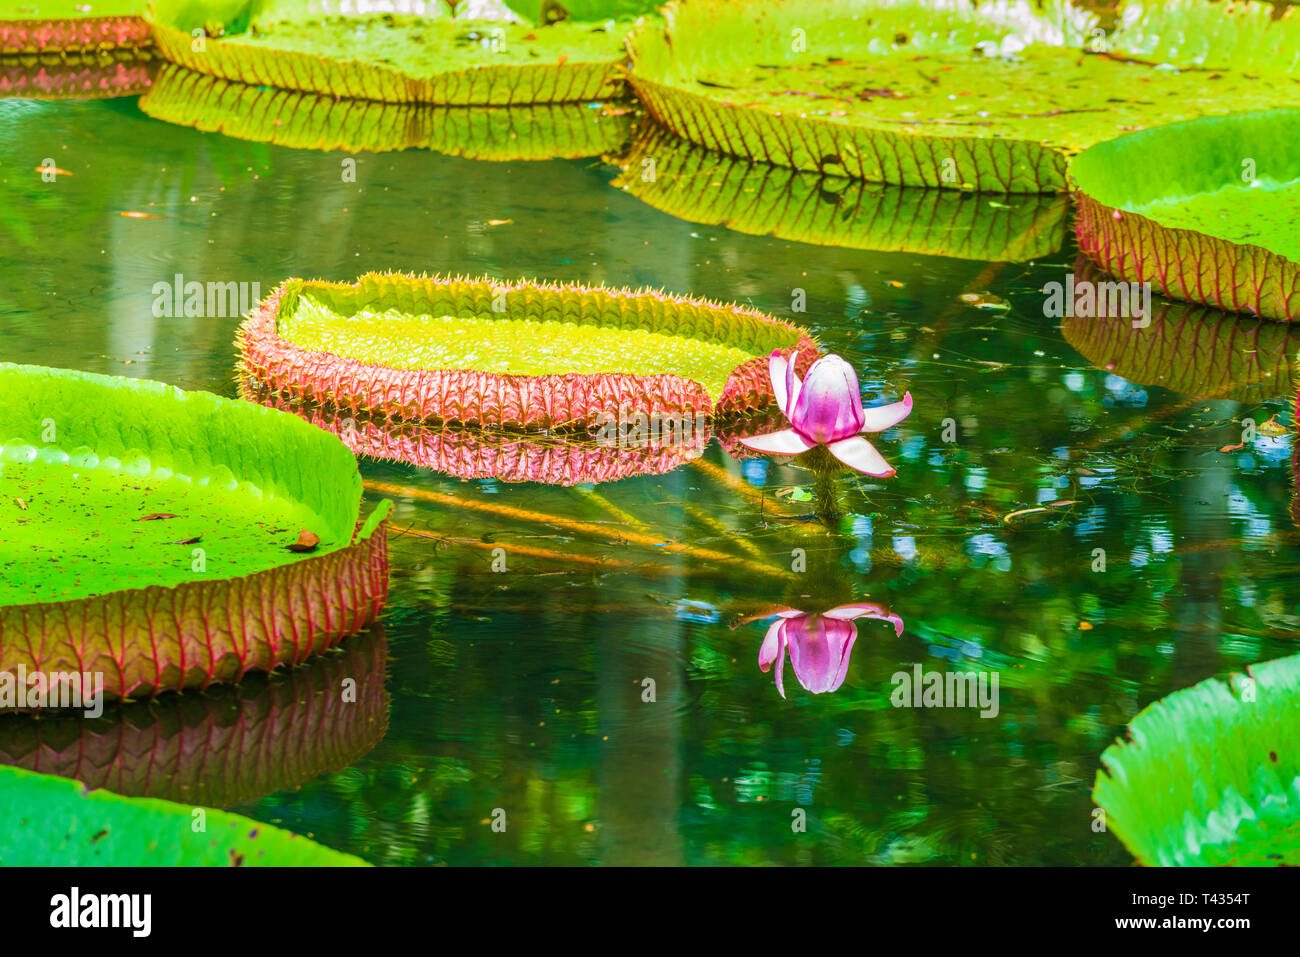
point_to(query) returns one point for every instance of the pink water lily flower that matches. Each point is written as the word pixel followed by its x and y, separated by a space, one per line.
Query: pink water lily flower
pixel 826 409
pixel 819 644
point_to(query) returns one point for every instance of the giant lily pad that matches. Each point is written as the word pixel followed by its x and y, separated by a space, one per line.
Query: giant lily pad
pixel 1211 774
pixel 1204 210
pixel 74 75
pixel 52 821
pixel 313 121
pixel 232 744
pixel 690 182
pixel 519 355
pixel 67 26
pixel 472 453
pixel 147 533
pixel 1196 351
pixel 992 96
pixel 397 59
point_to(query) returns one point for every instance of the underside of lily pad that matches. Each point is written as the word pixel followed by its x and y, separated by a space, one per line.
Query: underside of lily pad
pixel 1211 774
pixel 1203 210
pixel 393 58
pixel 82 76
pixel 69 26
pixel 1193 350
pixel 519 355
pixel 318 122
pixel 994 97
pixel 630 449
pixel 156 536
pixel 762 199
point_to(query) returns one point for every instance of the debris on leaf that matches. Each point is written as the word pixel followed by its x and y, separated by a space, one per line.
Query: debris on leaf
pixel 154 516
pixel 21 504
pixel 307 542
pixel 189 541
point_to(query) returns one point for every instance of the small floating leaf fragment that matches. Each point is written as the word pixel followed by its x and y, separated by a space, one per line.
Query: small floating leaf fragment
pixel 985 301
pixel 1233 448
pixel 1085 626
pixel 895 283
pixel 307 542
pixel 189 541
pixel 500 222
pixel 52 169
pixel 135 214
pixel 1272 428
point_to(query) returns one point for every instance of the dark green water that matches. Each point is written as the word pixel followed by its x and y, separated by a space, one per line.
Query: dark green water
pixel 523 690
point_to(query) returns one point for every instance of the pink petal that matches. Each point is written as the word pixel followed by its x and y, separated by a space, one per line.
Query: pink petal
pixel 850 612
pixel 776 368
pixel 793 384
pixel 881 417
pixel 829 407
pixel 785 442
pixel 771 645
pixel 858 453
pixel 842 672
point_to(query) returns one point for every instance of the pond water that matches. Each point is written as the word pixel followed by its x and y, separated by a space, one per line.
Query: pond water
pixel 524 689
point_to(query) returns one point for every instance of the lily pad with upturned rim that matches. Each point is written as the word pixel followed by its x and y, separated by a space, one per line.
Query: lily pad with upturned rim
pixel 514 355
pixel 1210 775
pixel 52 821
pixel 392 58
pixel 1203 210
pixel 318 122
pixel 146 534
pixel 994 97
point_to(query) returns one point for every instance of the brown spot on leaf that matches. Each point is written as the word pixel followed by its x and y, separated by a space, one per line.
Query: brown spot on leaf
pixel 1272 756
pixel 154 516
pixel 189 541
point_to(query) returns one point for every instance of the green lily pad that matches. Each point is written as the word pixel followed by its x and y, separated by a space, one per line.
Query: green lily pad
pixel 392 58
pixel 521 355
pixel 147 533
pixel 690 182
pixel 231 744
pixel 923 93
pixel 1203 210
pixel 51 821
pixel 70 26
pixel 317 122
pixel 1211 774
pixel 1195 351
pixel 550 11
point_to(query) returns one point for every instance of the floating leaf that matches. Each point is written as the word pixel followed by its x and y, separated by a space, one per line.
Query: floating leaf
pixel 86 586
pixel 990 96
pixel 520 355
pixel 387 57
pixel 53 821
pixel 1210 775
pixel 1204 211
